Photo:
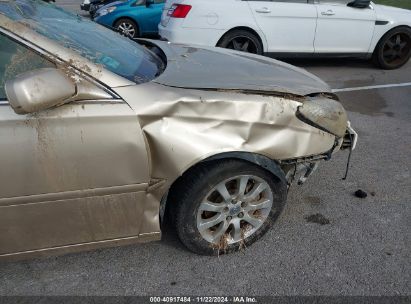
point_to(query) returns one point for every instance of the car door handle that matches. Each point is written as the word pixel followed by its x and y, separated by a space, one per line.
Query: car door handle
pixel 263 10
pixel 328 13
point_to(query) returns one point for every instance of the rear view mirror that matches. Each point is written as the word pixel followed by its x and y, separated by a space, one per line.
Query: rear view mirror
pixel 359 3
pixel 39 90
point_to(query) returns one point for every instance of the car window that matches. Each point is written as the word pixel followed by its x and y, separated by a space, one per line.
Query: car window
pixel 16 59
pixel 158 1
pixel 98 44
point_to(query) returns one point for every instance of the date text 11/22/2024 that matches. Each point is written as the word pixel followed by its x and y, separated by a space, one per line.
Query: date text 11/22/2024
pixel 197 299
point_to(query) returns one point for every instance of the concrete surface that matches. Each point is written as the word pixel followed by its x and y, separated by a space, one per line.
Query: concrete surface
pixel 365 250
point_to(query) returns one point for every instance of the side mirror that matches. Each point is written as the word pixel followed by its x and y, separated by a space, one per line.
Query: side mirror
pixel 359 3
pixel 149 2
pixel 39 90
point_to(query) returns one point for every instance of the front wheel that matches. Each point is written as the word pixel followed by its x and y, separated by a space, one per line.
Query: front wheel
pixel 394 49
pixel 226 205
pixel 127 28
pixel 241 40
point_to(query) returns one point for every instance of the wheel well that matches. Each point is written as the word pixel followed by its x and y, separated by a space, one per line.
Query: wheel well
pixel 394 28
pixel 262 161
pixel 128 18
pixel 243 28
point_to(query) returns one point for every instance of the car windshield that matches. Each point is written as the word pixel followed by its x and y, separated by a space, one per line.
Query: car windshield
pixel 98 44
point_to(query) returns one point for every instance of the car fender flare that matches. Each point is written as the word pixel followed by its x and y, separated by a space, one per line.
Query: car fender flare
pixel 375 43
pixel 260 160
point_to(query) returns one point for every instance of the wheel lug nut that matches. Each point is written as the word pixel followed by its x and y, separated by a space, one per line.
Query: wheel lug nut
pixel 233 202
pixel 229 218
pixel 240 215
pixel 243 204
pixel 226 209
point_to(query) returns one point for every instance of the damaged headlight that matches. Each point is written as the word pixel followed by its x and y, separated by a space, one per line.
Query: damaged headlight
pixel 325 114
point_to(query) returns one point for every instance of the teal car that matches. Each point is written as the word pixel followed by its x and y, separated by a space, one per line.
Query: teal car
pixel 132 18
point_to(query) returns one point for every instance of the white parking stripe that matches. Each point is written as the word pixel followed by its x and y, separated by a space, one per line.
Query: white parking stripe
pixel 383 86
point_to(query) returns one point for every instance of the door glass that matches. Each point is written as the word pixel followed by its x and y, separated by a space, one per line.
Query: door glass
pixel 16 59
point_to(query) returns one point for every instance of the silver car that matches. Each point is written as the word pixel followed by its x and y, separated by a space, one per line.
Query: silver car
pixel 101 136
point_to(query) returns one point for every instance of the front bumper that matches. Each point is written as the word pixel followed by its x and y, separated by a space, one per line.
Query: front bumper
pixel 302 169
pixel 350 138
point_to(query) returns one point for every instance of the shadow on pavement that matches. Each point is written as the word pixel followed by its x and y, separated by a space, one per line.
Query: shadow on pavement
pixel 331 62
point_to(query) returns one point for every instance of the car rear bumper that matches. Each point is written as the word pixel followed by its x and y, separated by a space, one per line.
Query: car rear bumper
pixel 191 36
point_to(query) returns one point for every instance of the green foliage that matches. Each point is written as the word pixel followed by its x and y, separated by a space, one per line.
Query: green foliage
pixel 396 3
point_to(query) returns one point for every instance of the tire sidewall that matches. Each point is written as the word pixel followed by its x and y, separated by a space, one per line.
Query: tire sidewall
pixel 187 226
pixel 378 54
pixel 241 33
pixel 136 30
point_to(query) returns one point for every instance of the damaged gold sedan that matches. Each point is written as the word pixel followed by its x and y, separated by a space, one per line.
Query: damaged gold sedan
pixel 101 135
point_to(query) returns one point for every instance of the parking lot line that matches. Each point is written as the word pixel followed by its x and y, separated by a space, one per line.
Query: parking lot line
pixel 383 86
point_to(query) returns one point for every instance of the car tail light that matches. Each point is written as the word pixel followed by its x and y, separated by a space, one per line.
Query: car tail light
pixel 179 10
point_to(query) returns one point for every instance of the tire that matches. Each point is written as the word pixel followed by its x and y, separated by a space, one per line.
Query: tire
pixel 394 49
pixel 127 27
pixel 237 40
pixel 199 184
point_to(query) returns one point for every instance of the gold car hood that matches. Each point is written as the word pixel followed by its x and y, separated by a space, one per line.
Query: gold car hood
pixel 222 69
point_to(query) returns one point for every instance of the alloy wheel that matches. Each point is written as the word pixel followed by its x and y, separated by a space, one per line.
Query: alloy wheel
pixel 396 49
pixel 243 44
pixel 234 209
pixel 127 29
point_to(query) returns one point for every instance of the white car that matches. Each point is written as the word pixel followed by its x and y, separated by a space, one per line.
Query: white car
pixel 291 28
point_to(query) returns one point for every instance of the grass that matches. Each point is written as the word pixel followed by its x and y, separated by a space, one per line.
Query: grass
pixel 396 3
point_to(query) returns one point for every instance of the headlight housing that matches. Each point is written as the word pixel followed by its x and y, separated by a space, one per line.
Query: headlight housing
pixel 325 114
pixel 106 11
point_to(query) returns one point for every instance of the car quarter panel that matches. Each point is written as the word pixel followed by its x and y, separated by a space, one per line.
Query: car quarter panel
pixel 207 22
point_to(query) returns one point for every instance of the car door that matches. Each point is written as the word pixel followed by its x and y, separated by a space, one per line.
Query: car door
pixel 151 16
pixel 288 25
pixel 343 29
pixel 75 174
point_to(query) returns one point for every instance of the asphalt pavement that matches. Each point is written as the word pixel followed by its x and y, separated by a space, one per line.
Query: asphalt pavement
pixel 363 250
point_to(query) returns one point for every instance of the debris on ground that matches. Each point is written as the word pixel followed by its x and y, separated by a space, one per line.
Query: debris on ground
pixel 317 218
pixel 360 193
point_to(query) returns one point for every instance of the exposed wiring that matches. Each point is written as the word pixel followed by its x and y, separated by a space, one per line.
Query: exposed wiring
pixel 349 158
